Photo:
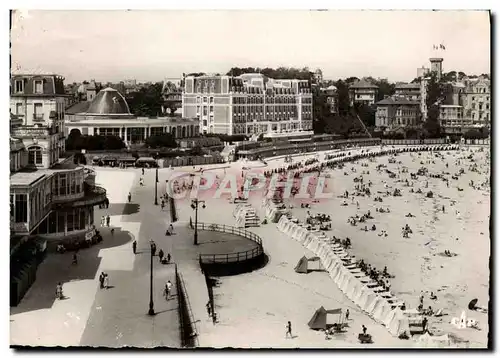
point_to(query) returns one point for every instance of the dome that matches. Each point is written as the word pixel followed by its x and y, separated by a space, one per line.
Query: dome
pixel 108 101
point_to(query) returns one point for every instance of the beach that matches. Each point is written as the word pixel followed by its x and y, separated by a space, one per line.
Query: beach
pixel 254 307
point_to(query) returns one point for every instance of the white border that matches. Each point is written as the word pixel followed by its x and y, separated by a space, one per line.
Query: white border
pixel 188 4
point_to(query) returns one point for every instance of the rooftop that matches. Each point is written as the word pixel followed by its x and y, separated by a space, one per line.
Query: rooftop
pixel 28 177
pixel 363 84
pixel 408 86
pixel 108 101
pixel 397 101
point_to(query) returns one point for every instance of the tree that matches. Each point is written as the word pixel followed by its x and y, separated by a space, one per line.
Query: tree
pixel 343 96
pixel 385 88
pixel 196 151
pixel 147 102
pixel 76 141
pixel 435 95
pixel 165 140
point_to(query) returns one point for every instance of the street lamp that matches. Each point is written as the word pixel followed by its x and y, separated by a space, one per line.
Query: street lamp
pixel 151 311
pixel 156 187
pixel 194 206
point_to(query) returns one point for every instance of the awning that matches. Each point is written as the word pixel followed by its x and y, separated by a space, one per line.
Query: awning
pixel 128 159
pixel 146 159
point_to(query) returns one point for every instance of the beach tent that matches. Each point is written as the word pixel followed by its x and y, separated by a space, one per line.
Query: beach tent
pixel 319 318
pixel 303 264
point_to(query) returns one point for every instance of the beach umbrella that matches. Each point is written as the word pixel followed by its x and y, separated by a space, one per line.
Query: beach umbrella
pixel 472 304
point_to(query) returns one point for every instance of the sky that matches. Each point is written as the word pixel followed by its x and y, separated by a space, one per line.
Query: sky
pixel 152 45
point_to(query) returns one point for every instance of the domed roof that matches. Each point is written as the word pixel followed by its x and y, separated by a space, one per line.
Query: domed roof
pixel 108 101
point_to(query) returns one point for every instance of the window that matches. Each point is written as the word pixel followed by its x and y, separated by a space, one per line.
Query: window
pixel 38 111
pixel 204 99
pixel 211 100
pixel 19 109
pixel 38 86
pixel 204 122
pixel 19 86
pixel 21 208
pixel 35 156
pixel 198 99
pixel 204 111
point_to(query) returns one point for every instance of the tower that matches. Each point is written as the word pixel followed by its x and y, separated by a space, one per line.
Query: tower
pixel 437 66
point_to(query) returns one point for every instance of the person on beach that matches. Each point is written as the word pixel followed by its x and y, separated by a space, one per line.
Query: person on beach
pixel 101 280
pixel 288 330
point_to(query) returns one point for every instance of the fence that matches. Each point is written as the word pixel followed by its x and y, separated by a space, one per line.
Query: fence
pixel 234 257
pixel 188 333
pixel 485 141
pixel 413 141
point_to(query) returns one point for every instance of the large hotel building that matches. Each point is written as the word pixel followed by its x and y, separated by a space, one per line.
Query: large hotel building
pixel 249 104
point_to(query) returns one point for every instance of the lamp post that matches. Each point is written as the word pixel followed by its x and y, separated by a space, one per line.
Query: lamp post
pixel 151 311
pixel 156 187
pixel 194 206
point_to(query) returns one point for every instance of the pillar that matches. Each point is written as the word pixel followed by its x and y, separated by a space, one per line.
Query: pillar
pixel 120 132
pixel 145 132
pixel 65 223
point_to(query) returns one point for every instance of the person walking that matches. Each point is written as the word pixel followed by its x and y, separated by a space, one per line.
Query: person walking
pixel 171 228
pixel 209 309
pixel 129 197
pixel 153 248
pixel 168 289
pixel 108 219
pixel 106 280
pixel 134 247
pixel 160 255
pixel 101 280
pixel 347 315
pixel 142 171
pixel 288 330
pixel 162 204
pixel 103 220
pixel 75 259
pixel 168 258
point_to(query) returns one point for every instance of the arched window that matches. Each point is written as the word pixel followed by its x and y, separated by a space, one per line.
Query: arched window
pixel 35 155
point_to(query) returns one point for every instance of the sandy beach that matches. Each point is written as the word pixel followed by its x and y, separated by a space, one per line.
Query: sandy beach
pixel 253 308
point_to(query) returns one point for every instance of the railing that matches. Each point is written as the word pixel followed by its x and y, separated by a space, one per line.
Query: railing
pixel 189 338
pixel 234 257
pixel 94 195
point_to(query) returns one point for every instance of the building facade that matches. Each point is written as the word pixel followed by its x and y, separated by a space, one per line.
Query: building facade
pixel 396 112
pixel 49 195
pixel 363 92
pixel 108 114
pixel 332 98
pixel 248 104
pixel 410 91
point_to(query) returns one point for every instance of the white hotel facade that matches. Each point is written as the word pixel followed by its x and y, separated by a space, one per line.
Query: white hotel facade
pixel 249 104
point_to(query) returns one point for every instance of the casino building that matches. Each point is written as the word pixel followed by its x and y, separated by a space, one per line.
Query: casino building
pixel 108 114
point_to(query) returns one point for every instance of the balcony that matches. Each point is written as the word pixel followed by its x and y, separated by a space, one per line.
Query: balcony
pixel 38 118
pixel 93 195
